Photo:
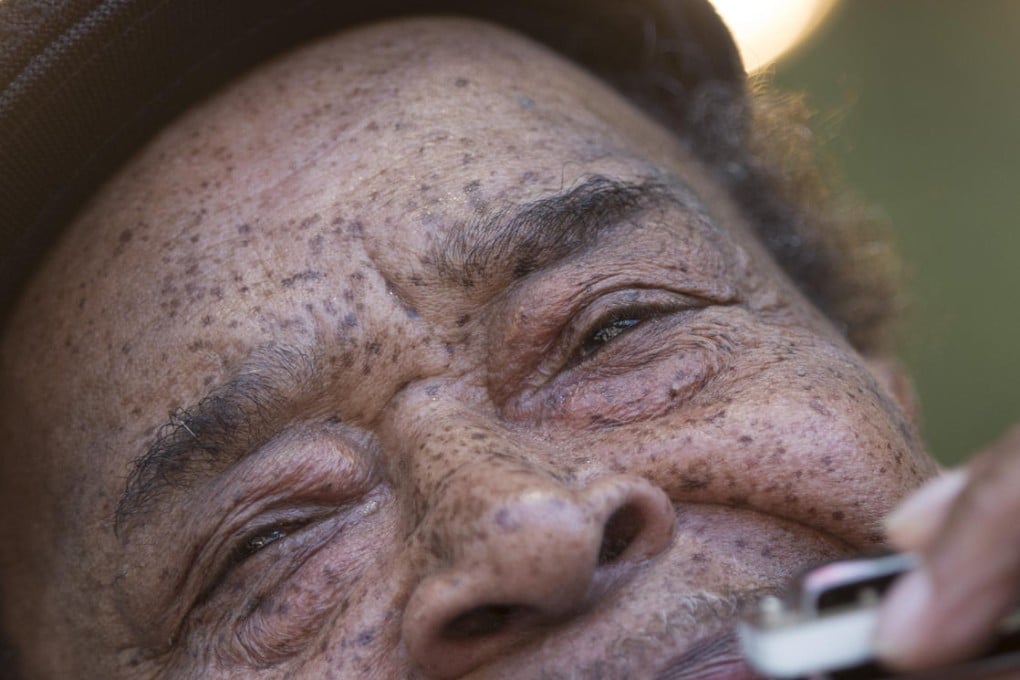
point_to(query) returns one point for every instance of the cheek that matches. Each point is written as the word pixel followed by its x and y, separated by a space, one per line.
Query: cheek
pixel 815 441
pixel 351 624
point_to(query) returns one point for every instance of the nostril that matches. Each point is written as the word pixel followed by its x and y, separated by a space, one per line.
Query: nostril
pixel 486 620
pixel 622 527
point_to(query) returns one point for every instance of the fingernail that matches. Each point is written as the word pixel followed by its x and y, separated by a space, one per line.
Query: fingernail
pixel 927 505
pixel 899 627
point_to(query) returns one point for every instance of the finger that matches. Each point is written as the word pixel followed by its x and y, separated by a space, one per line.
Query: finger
pixel 949 609
pixel 916 522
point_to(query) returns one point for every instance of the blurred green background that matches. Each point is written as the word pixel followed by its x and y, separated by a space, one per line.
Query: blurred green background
pixel 928 95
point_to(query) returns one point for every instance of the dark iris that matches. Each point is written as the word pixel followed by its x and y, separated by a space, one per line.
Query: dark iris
pixel 605 333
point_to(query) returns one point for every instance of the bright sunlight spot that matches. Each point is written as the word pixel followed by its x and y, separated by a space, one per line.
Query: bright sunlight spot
pixel 766 29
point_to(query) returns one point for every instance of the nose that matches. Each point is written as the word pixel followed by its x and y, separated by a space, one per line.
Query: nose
pixel 536 555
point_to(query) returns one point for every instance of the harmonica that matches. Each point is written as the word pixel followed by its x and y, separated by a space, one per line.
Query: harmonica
pixel 823 628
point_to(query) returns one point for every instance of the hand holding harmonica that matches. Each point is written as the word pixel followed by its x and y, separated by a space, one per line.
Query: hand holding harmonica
pixel 947 609
pixel 965 528
pixel 825 628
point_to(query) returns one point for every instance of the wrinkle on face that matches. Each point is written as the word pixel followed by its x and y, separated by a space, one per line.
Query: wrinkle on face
pixel 337 203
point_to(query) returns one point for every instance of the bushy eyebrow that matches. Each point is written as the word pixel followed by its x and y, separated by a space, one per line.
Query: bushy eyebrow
pixel 517 240
pixel 200 441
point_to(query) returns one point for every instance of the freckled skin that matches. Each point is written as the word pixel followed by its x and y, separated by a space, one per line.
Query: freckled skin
pixel 496 506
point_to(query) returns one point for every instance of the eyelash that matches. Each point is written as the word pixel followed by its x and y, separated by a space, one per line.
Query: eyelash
pixel 258 540
pixel 607 329
pixel 618 322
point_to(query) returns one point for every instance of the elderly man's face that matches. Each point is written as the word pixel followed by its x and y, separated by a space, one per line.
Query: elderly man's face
pixel 473 368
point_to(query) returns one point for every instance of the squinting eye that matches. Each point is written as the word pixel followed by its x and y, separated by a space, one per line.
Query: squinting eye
pixel 260 541
pixel 247 547
pixel 604 334
pixel 595 327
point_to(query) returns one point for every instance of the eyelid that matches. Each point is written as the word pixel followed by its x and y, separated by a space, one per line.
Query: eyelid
pixel 302 477
pixel 238 554
pixel 640 303
pixel 293 520
pixel 632 317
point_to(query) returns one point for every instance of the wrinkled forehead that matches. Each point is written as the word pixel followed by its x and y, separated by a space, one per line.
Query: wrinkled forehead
pixel 383 138
pixel 320 178
pixel 406 105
